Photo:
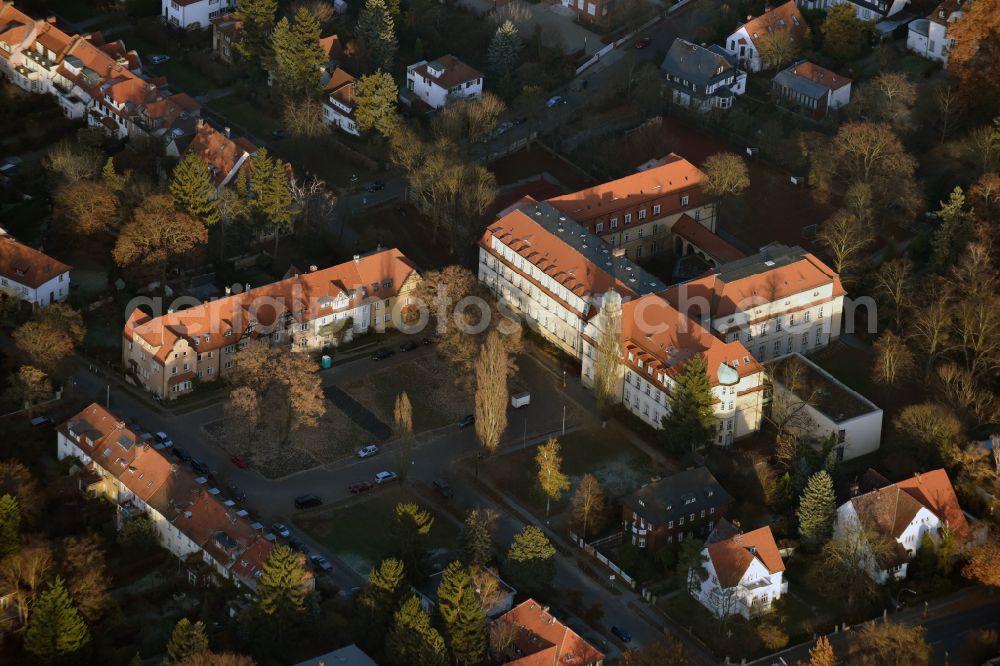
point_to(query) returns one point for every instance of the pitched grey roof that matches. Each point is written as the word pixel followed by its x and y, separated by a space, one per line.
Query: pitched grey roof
pixel 694 63
pixel 811 89
pixel 679 495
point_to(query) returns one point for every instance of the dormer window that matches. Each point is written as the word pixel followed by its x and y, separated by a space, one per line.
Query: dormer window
pixel 684 200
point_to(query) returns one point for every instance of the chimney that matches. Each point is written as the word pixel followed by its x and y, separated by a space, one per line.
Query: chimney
pixel 199 123
pixel 229 290
pixel 749 17
pixel 357 257
pixel 50 19
pixel 618 252
pixel 312 268
pixel 226 131
pixel 247 287
pixel 855 489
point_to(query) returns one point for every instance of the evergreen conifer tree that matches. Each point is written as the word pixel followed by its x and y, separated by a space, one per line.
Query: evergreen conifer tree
pixel 412 639
pixel 690 423
pixel 505 49
pixel 187 639
pixel 192 191
pixel 817 510
pixel 377 29
pixel 530 559
pixel 454 581
pixel 56 630
pixel 280 590
pixel 298 57
pixel 468 632
pixel 10 525
pixel 258 21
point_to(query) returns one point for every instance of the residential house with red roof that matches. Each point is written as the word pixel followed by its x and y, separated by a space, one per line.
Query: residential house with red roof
pixel 339 105
pixel 30 275
pixel 223 154
pixel 746 41
pixel 166 354
pixel 542 640
pixel 194 13
pixel 89 78
pixel 191 519
pixel 928 36
pixel 653 211
pixel 904 512
pixel 744 572
pixel 226 31
pixel 440 81
pixel 811 90
pixel 864 10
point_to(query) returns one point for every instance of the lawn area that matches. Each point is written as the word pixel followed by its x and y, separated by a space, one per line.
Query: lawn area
pixel 617 464
pixel 243 116
pixel 358 533
pixel 737 638
pixel 435 404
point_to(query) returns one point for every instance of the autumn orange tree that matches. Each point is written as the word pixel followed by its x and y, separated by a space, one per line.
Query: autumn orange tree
pixel 157 236
pixel 50 336
pixel 86 207
pixel 983 563
pixel 974 58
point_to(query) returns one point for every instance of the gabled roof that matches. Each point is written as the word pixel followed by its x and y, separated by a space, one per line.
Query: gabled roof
pixel 811 79
pixel 732 557
pixel 218 151
pixel 722 251
pixel 891 507
pixel 542 640
pixel 665 348
pixel 673 178
pixel 695 63
pixel 677 495
pixel 946 12
pixel 774 273
pixel 455 72
pixel 26 265
pixel 303 298
pixel 786 17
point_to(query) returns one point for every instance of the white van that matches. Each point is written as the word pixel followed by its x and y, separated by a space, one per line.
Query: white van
pixel 522 399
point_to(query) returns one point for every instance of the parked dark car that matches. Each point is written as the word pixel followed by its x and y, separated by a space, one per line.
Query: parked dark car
pixel 359 487
pixel 307 501
pixel 466 421
pixel 408 346
pixel 375 186
pixel 321 563
pixel 621 633
pixel 442 487
pixel 297 545
pixel 382 353
pixel 200 467
pixel 39 421
pixel 236 493
pixel 520 120
pixel 278 134
pixel 182 453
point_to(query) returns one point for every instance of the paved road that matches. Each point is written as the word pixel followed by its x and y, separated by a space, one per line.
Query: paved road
pixel 948 621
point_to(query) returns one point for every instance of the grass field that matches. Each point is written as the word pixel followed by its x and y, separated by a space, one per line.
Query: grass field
pixel 360 533
pixel 243 116
pixel 617 464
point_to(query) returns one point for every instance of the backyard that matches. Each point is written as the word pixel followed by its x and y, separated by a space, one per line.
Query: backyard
pixel 618 465
pixel 360 532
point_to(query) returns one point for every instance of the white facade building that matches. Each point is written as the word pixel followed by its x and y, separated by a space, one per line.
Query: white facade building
pixel 816 406
pixel 194 13
pixel 744 572
pixel 745 42
pixel 30 275
pixel 440 81
pixel 904 512
pixel 928 36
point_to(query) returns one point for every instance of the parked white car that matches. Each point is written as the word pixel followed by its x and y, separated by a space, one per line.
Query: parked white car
pixel 163 441
pixel 384 477
pixel 367 451
pixel 522 399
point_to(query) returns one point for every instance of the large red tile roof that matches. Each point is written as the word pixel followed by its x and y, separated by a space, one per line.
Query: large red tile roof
pixel 305 297
pixel 822 75
pixel 455 72
pixel 26 265
pixel 733 556
pixel 666 183
pixel 542 640
pixel 892 507
pixel 688 228
pixel 784 17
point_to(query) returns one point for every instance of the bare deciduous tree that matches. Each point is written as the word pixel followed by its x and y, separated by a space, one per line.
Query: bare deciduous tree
pixel 589 503
pixel 845 238
pixel 607 364
pixel 491 392
pixel 894 282
pixel 893 359
pixel 402 418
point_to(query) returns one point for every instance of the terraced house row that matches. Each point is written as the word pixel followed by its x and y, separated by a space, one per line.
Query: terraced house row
pixel 168 354
pixel 212 537
pixel 566 282
pixel 89 77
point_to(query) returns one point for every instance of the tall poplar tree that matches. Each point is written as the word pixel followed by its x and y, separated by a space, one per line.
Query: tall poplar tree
pixel 550 477
pixel 10 525
pixel 192 190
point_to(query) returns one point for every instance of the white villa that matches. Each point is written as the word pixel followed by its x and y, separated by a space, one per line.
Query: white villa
pixel 744 572
pixel 30 275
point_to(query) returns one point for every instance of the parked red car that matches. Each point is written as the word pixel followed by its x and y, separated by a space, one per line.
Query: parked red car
pixel 241 461
pixel 359 487
pixel 643 42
